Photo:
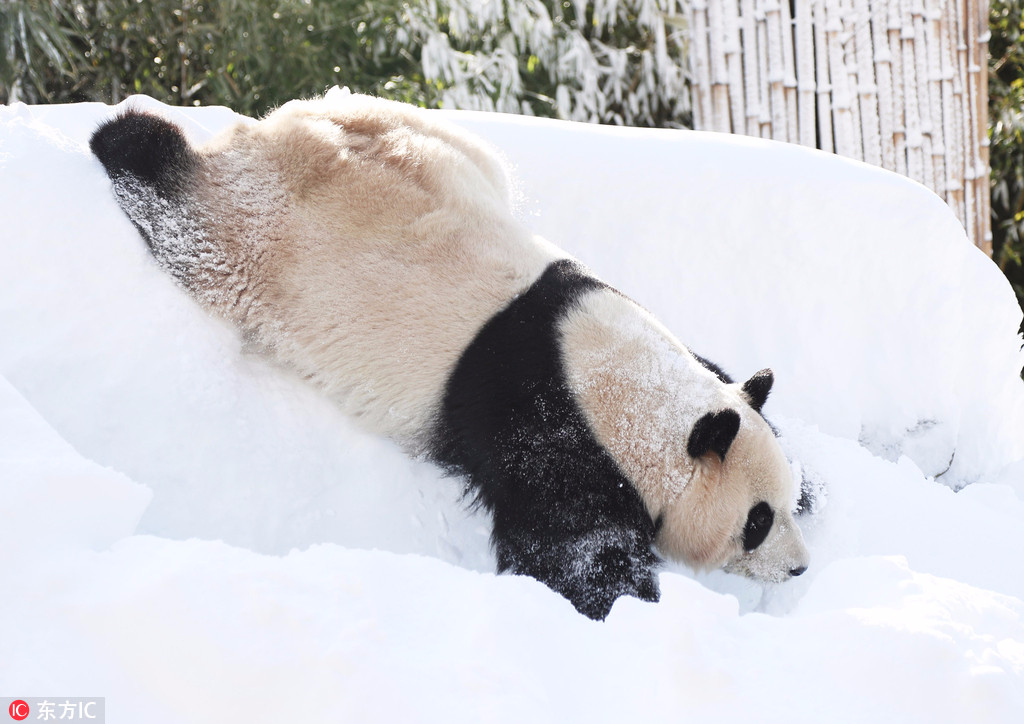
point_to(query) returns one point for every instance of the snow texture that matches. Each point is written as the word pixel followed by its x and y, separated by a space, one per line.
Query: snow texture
pixel 200 537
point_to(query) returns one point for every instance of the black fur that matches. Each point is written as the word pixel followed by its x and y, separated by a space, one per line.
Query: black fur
pixel 758 525
pixel 708 364
pixel 146 147
pixel 563 511
pixel 714 432
pixel 758 387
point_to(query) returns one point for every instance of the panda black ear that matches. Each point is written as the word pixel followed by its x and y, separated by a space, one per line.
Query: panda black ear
pixel 714 432
pixel 758 387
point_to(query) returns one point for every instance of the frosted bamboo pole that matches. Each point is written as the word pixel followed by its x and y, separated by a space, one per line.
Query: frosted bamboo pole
pixel 952 127
pixel 765 120
pixel 883 80
pixel 922 88
pixel 911 107
pixel 841 96
pixel 776 69
pixel 984 217
pixel 734 63
pixel 823 82
pixel 971 155
pixel 867 89
pixel 751 76
pixel 849 41
pixel 804 33
pixel 932 15
pixel 699 55
pixel 789 83
pixel 895 34
pixel 719 71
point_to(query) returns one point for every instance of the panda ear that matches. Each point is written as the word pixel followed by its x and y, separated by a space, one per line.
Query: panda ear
pixel 758 387
pixel 714 432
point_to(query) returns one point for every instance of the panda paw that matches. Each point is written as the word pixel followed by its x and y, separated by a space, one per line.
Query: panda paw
pixel 591 570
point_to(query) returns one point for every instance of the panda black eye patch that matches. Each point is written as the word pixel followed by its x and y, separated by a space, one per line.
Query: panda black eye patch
pixel 759 523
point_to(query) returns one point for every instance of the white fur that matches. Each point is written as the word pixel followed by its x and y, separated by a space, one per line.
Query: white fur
pixel 364 245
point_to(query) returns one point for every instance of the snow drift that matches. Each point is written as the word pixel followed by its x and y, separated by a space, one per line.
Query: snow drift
pixel 197 536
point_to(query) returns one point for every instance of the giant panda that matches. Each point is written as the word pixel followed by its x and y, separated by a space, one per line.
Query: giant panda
pixel 371 248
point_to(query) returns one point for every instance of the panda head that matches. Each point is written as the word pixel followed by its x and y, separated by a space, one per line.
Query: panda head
pixel 736 511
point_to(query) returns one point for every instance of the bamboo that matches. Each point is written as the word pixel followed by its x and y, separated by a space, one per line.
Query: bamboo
pixel 789 84
pixel 954 189
pixel 826 135
pixel 912 112
pixel 776 69
pixel 804 33
pixel 883 80
pixel 971 160
pixel 960 116
pixel 734 64
pixel 752 83
pixel 923 89
pixel 899 97
pixel 848 37
pixel 899 83
pixel 932 15
pixel 867 89
pixel 984 216
pixel 719 70
pixel 764 85
pixel 702 107
pixel 842 100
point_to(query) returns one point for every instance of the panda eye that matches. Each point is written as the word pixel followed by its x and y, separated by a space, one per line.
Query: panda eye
pixel 759 523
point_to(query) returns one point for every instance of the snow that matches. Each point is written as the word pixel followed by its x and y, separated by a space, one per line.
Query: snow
pixel 197 536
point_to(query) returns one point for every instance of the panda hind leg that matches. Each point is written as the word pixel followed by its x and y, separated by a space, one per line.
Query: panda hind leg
pixel 153 167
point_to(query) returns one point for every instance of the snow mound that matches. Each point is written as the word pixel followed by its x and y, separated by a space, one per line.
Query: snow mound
pixel 196 536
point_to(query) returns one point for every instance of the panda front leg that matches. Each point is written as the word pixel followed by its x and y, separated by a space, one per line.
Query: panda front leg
pixel 590 566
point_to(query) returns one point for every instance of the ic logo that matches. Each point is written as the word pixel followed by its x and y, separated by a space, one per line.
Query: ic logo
pixel 18 710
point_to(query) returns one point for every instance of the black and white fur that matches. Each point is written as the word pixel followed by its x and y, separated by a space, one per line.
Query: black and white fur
pixel 371 248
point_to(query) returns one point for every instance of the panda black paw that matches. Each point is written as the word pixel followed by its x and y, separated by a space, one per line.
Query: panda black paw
pixel 613 573
pixel 591 570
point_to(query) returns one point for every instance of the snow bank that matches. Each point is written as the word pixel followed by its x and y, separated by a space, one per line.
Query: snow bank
pixel 198 537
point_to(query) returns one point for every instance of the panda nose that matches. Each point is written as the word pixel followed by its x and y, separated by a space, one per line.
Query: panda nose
pixel 797 571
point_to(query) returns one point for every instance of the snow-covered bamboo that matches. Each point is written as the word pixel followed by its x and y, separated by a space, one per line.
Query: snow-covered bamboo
pixel 898 83
pixel 764 84
pixel 899 97
pixel 733 49
pixel 703 111
pixel 883 80
pixel 804 50
pixel 776 68
pixel 789 83
pixel 867 89
pixel 751 69
pixel 842 97
pixel 823 79
pixel 720 96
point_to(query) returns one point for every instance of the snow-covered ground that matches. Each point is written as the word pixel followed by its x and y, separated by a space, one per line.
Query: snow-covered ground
pixel 198 537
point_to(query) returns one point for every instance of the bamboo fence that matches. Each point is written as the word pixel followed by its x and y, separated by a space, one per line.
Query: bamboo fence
pixel 900 84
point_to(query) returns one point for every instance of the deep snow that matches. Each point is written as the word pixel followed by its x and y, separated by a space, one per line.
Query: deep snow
pixel 196 536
